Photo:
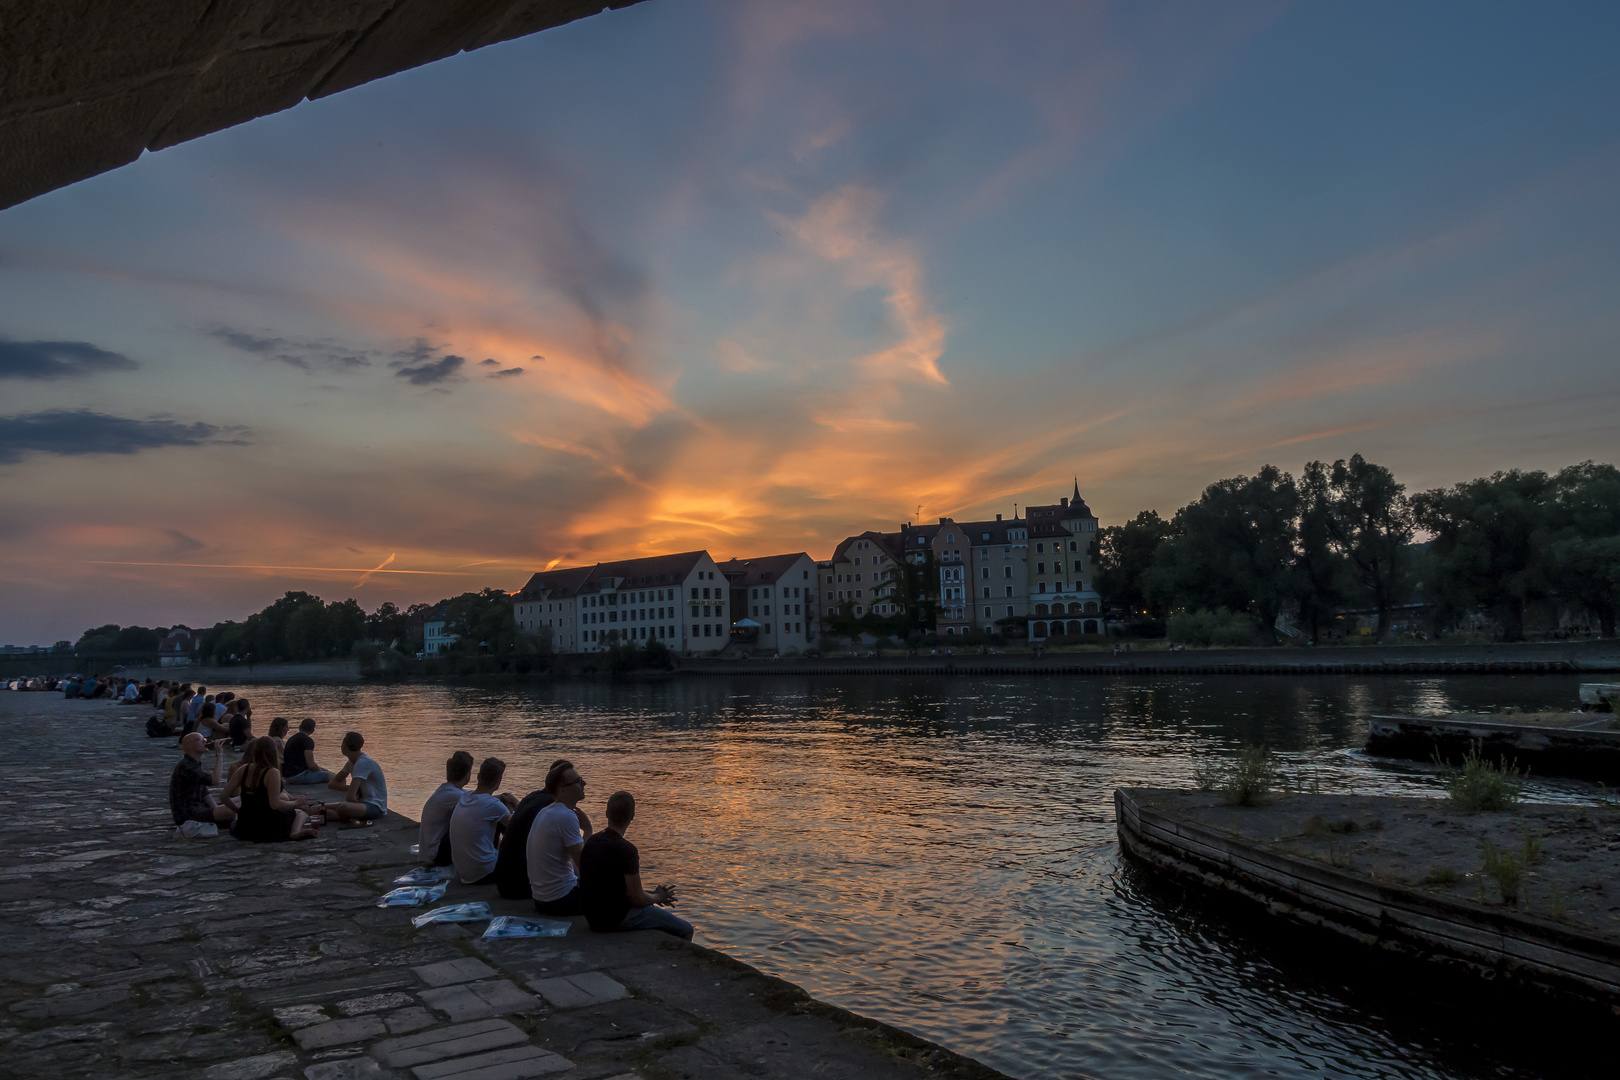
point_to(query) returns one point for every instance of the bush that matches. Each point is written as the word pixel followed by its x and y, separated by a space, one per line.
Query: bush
pixel 1139 628
pixel 1220 628
pixel 1506 869
pixel 1482 784
pixel 378 661
pixel 1251 780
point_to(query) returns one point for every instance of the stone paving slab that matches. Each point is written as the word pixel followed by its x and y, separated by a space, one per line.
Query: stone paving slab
pixel 515 1063
pixel 473 1001
pixel 133 954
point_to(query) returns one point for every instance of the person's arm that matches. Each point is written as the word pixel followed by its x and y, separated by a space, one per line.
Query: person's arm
pixel 509 799
pixel 584 825
pixel 573 853
pixel 340 782
pixel 234 784
pixel 639 897
pixel 278 795
pixel 219 763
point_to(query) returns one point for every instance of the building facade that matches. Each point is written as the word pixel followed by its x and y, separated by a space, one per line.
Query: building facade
pixel 1063 599
pixel 681 600
pixel 777 595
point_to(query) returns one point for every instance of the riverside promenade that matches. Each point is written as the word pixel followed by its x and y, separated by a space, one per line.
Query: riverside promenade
pixel 129 952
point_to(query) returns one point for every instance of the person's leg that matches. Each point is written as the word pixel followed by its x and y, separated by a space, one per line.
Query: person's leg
pixel 345 811
pixel 562 906
pixel 318 776
pixel 653 917
pixel 442 856
pixel 223 814
pixel 300 827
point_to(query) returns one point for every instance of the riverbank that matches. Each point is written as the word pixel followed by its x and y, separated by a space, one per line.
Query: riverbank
pixel 133 953
pixel 1407 876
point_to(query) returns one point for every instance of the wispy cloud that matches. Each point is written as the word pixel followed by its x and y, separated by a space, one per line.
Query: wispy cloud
pixel 77 432
pixel 58 360
pixel 302 354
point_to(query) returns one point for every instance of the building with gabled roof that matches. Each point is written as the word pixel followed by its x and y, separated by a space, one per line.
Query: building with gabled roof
pixel 680 600
pixel 778 593
pixel 1063 596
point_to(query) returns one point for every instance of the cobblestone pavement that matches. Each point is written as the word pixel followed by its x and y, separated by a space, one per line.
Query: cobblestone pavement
pixel 129 952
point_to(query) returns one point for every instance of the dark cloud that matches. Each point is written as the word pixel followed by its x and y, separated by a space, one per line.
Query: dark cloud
pixel 506 371
pixel 57 360
pixel 183 544
pixel 427 372
pixel 68 432
pixel 496 363
pixel 303 355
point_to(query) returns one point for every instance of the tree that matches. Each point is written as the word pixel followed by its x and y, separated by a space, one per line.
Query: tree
pixel 1370 523
pixel 345 624
pixel 1321 568
pixel 1585 553
pixel 1235 549
pixel 388 624
pixel 482 618
pixel 1491 546
pixel 1123 556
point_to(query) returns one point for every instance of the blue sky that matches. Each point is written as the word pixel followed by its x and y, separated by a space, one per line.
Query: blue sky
pixel 777 273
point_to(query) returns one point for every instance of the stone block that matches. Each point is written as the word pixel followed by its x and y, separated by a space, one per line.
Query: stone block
pixel 449 1042
pixel 577 991
pixel 293 1017
pixel 513 1063
pixel 473 1001
pixel 353 1068
pixel 408 1020
pixel 338 1032
pixel 599 985
pixel 463 969
pixel 253 1068
pixel 374 1003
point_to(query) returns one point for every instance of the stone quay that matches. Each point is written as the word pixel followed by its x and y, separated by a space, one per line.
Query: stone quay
pixel 131 952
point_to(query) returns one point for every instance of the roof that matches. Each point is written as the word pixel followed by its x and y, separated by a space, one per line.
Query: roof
pixel 573 580
pixel 891 544
pixel 761 570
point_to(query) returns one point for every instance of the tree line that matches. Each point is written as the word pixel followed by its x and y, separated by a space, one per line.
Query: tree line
pixel 1347 536
pixel 302 627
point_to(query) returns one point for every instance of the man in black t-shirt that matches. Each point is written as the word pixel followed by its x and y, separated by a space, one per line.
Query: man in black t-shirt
pixel 298 758
pixel 610 880
pixel 512 864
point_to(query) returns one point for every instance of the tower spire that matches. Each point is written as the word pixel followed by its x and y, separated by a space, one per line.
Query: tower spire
pixel 1077 489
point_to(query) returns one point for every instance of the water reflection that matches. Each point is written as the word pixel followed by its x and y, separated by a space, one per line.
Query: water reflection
pixel 940 853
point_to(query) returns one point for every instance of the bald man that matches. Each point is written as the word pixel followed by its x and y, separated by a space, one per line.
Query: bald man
pixel 189 797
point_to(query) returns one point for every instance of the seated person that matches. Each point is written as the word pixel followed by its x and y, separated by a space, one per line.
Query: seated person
pixel 146 694
pixel 267 814
pixel 239 725
pixel 298 757
pixel 361 781
pixel 211 719
pixel 278 735
pixel 554 844
pixel 189 797
pixel 512 866
pixel 198 697
pixel 476 824
pixel 610 880
pixel 132 692
pixel 433 835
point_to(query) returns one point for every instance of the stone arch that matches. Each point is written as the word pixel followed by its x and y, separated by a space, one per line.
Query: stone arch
pixel 1091 626
pixel 1091 607
pixel 1040 609
pixel 1037 629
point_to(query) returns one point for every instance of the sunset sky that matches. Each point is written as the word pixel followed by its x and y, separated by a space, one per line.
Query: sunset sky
pixel 754 276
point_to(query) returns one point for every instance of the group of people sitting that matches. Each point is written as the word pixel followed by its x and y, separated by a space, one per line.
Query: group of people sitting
pixel 543 847
pixel 253 801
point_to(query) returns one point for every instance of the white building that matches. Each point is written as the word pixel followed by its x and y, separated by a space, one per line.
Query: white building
pixel 681 600
pixel 778 593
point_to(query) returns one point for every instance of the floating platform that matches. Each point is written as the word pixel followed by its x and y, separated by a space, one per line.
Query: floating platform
pixel 1402 876
pixel 1582 745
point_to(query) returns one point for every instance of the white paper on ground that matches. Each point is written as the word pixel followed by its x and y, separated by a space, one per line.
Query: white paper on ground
pixel 426 875
pixel 413 895
pixel 472 911
pixel 512 926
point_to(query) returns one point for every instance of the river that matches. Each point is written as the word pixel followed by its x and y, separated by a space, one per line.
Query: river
pixel 940 853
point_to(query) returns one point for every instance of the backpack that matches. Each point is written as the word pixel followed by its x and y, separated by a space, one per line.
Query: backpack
pixel 156 728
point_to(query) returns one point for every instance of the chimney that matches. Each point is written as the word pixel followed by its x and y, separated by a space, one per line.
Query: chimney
pixel 1064 502
pixel 942 521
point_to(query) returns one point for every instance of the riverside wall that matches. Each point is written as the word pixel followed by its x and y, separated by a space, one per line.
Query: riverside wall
pixel 130 952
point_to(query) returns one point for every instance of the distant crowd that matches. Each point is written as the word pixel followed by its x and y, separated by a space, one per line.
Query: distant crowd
pixel 542 847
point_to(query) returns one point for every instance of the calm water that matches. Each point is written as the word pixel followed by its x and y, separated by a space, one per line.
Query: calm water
pixel 941 853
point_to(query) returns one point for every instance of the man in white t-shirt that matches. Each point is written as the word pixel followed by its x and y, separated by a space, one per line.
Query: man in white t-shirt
pixel 433 838
pixel 555 841
pixel 475 827
pixel 361 781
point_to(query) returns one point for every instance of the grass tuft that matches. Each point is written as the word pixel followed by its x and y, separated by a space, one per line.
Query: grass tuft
pixel 1506 870
pixel 1481 784
pixel 1442 875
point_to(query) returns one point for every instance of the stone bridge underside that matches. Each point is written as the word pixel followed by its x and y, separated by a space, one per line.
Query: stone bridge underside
pixel 86 85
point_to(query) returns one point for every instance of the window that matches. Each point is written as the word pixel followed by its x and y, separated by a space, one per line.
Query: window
pixel 857 560
pixel 1074 545
pixel 984 536
pixel 1009 590
pixel 1040 547
pixel 984 571
pixel 694 594
pixel 1040 568
pixel 987 596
